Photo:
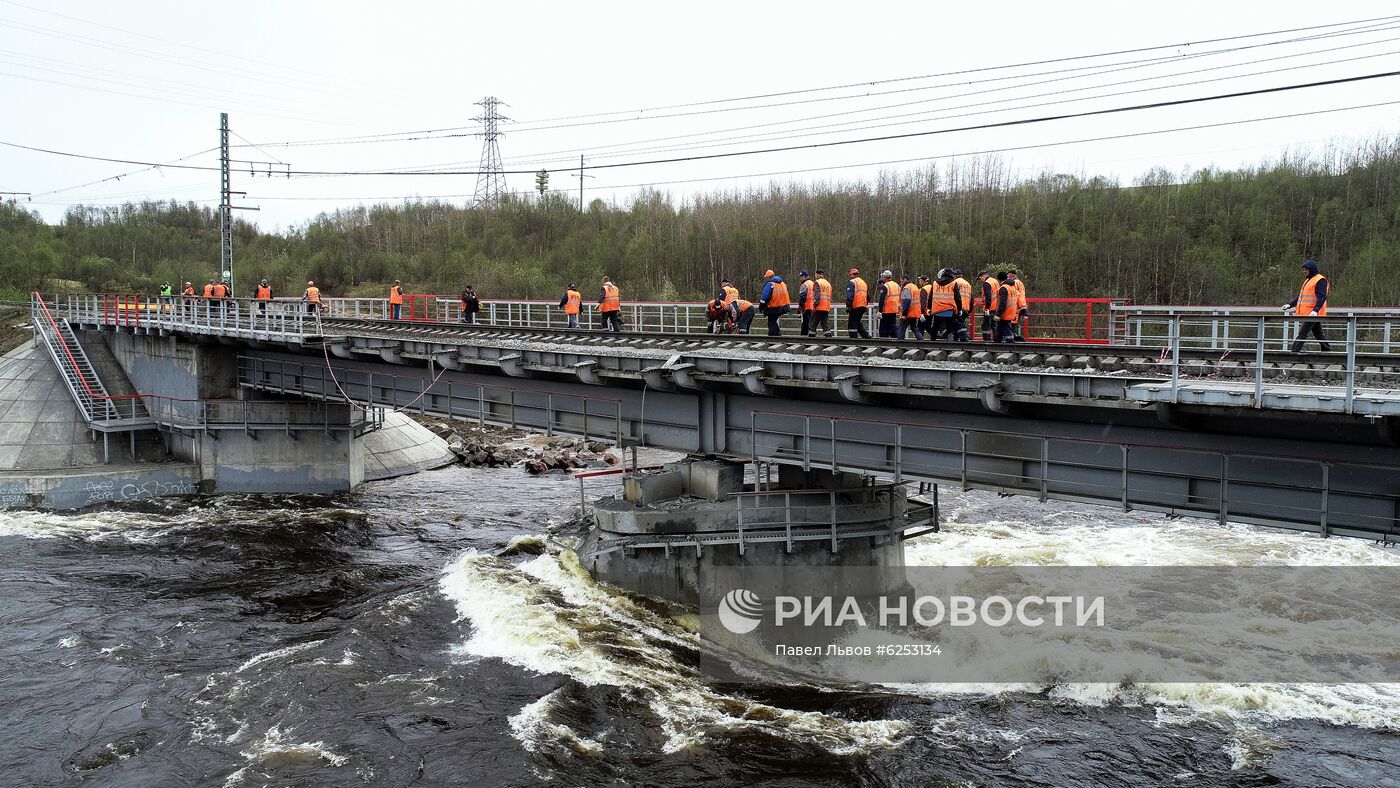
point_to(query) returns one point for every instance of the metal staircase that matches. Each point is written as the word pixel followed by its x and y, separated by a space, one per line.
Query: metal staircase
pixel 101 411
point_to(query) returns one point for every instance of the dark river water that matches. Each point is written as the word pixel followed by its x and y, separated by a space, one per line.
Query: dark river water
pixel 423 633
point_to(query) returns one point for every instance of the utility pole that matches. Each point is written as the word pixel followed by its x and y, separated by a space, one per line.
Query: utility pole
pixel 580 177
pixel 226 206
pixel 490 180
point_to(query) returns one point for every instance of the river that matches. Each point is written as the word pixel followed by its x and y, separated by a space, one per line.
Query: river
pixel 426 632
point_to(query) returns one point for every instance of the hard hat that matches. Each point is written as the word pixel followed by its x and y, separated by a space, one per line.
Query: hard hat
pixel 396 281
pixel 886 272
pixel 942 272
pixel 803 272
pixel 263 282
pixel 768 273
pixel 309 283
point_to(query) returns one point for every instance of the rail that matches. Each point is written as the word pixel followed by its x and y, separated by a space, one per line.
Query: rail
pixel 1062 320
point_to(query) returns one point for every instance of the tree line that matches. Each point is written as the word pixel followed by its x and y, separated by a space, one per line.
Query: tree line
pixel 1209 236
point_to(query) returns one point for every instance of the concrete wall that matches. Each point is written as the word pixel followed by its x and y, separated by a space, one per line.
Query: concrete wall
pixel 76 489
pixel 679 575
pixel 268 461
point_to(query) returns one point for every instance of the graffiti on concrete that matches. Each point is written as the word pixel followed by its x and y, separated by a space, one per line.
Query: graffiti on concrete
pixel 156 488
pixel 99 490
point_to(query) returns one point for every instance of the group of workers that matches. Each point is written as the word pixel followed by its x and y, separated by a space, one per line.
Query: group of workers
pixel 937 307
pixel 218 291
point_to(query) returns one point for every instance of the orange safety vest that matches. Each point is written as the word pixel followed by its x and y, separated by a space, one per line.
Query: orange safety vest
pixel 573 300
pixel 396 295
pixel 220 291
pixel 612 299
pixel 1307 298
pixel 890 304
pixel 743 305
pixel 313 294
pixel 208 291
pixel 1021 292
pixel 916 300
pixel 964 289
pixel 941 298
pixel 858 298
pixel 731 294
pixel 189 291
pixel 779 296
pixel 264 293
pixel 823 303
pixel 809 300
pixel 1011 310
pixel 927 292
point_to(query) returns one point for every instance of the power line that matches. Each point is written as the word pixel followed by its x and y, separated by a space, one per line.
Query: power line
pixel 905 119
pixel 119 176
pixel 887 162
pixel 912 134
pixel 523 126
pixel 808 146
pixel 331 80
pixel 1113 53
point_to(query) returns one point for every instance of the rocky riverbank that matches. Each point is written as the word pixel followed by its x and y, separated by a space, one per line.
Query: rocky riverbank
pixel 500 447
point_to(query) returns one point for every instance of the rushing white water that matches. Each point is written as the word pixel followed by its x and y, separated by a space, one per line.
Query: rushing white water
pixel 547 615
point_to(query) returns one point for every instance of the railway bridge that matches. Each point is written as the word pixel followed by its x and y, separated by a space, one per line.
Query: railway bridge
pixel 1189 411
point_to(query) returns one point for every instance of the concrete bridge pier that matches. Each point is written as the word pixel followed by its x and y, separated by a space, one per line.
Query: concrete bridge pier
pixel 668 528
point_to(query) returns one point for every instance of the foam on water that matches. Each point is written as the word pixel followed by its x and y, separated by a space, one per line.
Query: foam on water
pixel 1082 536
pixel 547 615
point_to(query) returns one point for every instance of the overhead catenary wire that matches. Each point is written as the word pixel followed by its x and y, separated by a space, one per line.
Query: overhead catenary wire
pixel 886 162
pixel 525 125
pixel 808 146
pixel 924 117
pixel 595 150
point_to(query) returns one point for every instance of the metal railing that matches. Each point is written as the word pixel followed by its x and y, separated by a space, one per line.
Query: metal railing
pixel 1356 340
pixel 1240 486
pixel 1236 327
pixel 167 412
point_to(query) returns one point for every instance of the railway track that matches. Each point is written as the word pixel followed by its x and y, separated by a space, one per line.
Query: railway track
pixel 1372 369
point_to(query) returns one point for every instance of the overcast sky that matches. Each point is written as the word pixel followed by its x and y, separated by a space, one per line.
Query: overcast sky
pixel 146 82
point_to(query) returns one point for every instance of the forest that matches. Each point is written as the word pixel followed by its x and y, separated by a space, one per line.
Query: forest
pixel 1209 236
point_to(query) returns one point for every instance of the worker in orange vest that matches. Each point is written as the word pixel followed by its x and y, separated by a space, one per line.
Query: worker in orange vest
pixel 964 289
pixel 806 299
pixel 1311 302
pixel 396 301
pixel 989 293
pixel 572 304
pixel 209 290
pixel 774 301
pixel 857 304
pixel 945 303
pixel 821 307
pixel 925 290
pixel 1006 308
pixel 262 294
pixel 889 305
pixel 728 291
pixel 312 297
pixel 610 306
pixel 1023 319
pixel 911 310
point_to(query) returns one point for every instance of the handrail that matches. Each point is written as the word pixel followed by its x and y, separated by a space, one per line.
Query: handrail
pixel 204 403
